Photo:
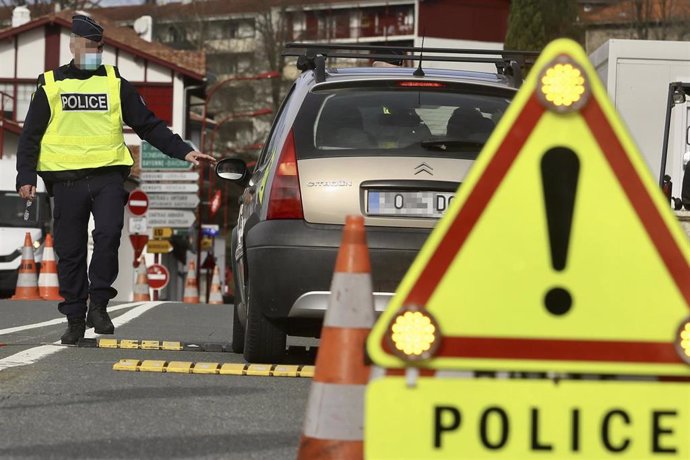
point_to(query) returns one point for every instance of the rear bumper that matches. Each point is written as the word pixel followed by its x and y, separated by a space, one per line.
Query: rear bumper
pixel 291 264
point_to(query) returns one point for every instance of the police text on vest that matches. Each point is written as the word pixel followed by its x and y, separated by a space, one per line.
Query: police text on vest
pixel 76 102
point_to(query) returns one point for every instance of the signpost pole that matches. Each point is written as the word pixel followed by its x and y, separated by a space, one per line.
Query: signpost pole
pixel 156 260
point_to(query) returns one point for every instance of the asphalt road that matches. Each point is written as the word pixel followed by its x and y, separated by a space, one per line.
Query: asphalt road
pixel 70 403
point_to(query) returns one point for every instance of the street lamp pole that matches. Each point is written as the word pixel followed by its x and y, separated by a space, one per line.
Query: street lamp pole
pixel 209 96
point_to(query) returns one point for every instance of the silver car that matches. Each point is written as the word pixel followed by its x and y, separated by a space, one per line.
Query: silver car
pixel 383 142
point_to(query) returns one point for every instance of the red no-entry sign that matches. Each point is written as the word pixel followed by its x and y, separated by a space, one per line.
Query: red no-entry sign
pixel 138 244
pixel 158 276
pixel 138 202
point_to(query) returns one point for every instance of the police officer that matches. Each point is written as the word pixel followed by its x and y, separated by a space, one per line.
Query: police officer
pixel 72 137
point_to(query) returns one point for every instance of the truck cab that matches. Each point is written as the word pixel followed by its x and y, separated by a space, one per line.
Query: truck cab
pixel 13 227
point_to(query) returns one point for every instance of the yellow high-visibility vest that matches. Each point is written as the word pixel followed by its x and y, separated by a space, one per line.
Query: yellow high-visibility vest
pixel 85 127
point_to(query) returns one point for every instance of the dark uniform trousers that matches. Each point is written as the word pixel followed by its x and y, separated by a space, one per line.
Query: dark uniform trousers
pixel 104 196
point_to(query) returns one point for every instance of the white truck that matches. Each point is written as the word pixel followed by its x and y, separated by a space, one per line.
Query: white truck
pixel 13 227
pixel 637 75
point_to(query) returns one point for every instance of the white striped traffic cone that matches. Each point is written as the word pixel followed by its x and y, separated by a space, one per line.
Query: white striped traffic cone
pixel 333 427
pixel 48 285
pixel 191 288
pixel 215 297
pixel 27 280
pixel 141 285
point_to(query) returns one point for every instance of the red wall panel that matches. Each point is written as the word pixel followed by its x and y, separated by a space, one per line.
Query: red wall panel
pixel 159 99
pixel 52 56
pixel 482 20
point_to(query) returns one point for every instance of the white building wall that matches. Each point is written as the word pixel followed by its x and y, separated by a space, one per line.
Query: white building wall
pixel 32 50
pixel 131 67
pixel 65 53
pixel 7 58
pixel 430 42
pixel 178 105
pixel 158 74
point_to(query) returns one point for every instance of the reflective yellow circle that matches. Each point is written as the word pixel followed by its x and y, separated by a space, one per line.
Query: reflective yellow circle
pixel 413 333
pixel 562 85
pixel 685 339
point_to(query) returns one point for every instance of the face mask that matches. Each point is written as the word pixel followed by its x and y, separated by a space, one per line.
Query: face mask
pixel 90 61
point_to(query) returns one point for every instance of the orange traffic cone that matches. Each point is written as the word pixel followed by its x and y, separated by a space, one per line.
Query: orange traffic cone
pixel 48 285
pixel 215 296
pixel 191 288
pixel 333 427
pixel 141 286
pixel 27 280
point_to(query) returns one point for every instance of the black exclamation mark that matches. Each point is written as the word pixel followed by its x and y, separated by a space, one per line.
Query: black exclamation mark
pixel 560 169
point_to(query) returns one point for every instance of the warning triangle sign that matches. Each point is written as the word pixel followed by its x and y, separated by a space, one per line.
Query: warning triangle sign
pixel 559 253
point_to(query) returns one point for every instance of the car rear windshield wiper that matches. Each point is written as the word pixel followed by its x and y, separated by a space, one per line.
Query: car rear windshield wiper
pixel 453 145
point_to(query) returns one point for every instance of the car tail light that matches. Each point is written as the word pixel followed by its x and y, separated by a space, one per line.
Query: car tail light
pixel 285 201
pixel 420 84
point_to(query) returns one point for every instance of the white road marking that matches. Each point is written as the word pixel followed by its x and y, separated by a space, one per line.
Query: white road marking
pixel 53 322
pixel 33 355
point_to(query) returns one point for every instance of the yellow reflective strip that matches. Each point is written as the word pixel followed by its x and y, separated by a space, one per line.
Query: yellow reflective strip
pixel 130 365
pixel 132 344
pixel 107 139
pixel 152 366
pixel 232 369
pixel 306 371
pixel 107 343
pixel 150 345
pixel 261 370
pixel 171 346
pixel 286 371
pixel 205 368
pixel 114 96
pixel 179 367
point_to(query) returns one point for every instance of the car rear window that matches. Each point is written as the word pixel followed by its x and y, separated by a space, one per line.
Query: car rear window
pixel 394 120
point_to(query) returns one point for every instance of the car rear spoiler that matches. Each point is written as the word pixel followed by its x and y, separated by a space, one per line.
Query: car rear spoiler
pixel 312 56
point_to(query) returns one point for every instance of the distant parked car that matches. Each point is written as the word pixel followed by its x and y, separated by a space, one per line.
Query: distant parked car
pixel 381 142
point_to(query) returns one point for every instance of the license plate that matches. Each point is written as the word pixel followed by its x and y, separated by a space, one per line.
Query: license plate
pixel 408 204
pixel 449 418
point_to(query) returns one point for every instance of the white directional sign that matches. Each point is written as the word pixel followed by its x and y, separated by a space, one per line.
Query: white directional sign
pixel 173 187
pixel 173 200
pixel 170 218
pixel 169 176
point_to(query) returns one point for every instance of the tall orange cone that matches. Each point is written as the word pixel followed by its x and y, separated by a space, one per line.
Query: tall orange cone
pixel 27 280
pixel 48 285
pixel 191 288
pixel 141 285
pixel 333 427
pixel 215 297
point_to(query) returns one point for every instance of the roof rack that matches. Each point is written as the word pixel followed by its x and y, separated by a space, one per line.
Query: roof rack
pixel 312 56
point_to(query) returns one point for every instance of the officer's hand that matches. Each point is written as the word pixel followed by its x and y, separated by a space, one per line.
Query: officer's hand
pixel 28 192
pixel 194 157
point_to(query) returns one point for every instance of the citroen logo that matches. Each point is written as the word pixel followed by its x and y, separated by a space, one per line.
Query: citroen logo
pixel 423 168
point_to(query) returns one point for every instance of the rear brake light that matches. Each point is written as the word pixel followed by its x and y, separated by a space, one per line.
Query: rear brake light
pixel 421 84
pixel 285 201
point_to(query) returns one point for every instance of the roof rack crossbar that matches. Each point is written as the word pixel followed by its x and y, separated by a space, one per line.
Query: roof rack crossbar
pixel 481 60
pixel 408 49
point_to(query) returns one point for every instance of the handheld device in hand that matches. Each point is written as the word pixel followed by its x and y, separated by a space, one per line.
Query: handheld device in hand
pixel 26 210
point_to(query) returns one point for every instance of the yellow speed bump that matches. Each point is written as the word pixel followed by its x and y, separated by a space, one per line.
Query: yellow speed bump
pixel 129 344
pixel 152 366
pixel 150 345
pixel 131 365
pixel 205 368
pixel 171 346
pixel 185 367
pixel 107 343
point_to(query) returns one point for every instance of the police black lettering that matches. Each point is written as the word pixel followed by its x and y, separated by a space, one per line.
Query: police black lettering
pixel 484 430
pixel 605 431
pixel 536 445
pixel 77 102
pixel 576 430
pixel 440 427
pixel 658 431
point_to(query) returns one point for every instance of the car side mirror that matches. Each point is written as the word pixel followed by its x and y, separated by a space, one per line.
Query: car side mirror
pixel 233 169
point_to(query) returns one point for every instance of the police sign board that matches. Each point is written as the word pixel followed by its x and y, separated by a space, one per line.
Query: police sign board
pixel 558 256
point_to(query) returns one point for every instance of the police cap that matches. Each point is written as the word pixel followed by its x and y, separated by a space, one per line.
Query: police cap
pixel 84 26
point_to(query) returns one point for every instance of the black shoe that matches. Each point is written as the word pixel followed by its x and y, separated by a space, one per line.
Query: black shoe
pixel 75 331
pixel 100 321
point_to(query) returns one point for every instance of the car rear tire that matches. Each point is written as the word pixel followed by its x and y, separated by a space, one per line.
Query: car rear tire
pixel 237 343
pixel 264 341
